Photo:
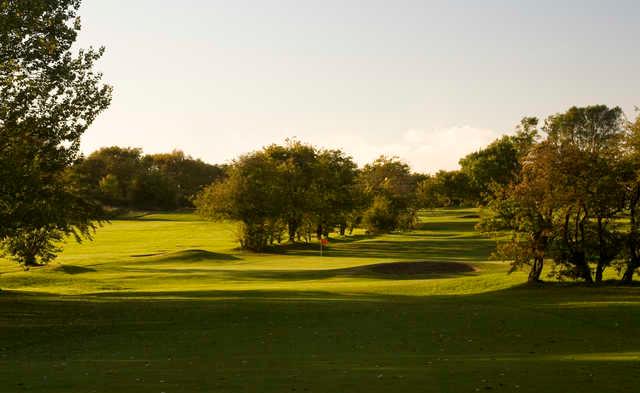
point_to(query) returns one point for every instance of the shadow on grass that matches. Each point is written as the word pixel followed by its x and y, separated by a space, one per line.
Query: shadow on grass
pixel 185 256
pixel 71 269
pixel 386 271
pixel 556 296
pixel 455 249
pixel 448 226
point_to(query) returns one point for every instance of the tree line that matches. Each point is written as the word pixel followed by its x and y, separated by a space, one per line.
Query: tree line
pixel 125 178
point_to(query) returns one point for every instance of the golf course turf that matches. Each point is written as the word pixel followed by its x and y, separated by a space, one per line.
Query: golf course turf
pixel 166 303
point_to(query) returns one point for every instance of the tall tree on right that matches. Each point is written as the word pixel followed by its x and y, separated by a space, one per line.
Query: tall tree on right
pixel 632 188
pixel 587 142
pixel 565 202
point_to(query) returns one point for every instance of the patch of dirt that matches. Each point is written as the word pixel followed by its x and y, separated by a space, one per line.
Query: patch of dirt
pixel 470 216
pixel 411 268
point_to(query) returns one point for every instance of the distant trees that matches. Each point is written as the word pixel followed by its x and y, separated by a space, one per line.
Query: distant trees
pixel 480 172
pixel 49 96
pixel 570 200
pixel 446 189
pixel 125 178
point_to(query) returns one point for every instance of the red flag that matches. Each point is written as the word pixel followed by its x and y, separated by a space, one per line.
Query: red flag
pixel 325 242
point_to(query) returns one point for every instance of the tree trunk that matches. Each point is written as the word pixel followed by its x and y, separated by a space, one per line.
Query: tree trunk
pixel 29 261
pixel 319 232
pixel 343 229
pixel 293 228
pixel 627 278
pixel 632 241
pixel 536 270
pixel 584 271
pixel 600 271
pixel 602 259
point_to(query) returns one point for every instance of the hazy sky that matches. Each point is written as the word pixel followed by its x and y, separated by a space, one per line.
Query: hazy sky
pixel 428 81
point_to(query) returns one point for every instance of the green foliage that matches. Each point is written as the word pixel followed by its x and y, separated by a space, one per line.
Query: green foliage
pixel 631 185
pixel 37 246
pixel 525 211
pixel 253 194
pixel 49 95
pixel 110 190
pixel 337 199
pixel 588 147
pixel 294 186
pixel 446 189
pixel 568 197
pixel 185 175
pixel 390 189
pixel 125 178
pixel 499 163
pixel 379 217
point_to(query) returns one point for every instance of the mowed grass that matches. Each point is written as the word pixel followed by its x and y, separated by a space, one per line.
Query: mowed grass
pixel 166 303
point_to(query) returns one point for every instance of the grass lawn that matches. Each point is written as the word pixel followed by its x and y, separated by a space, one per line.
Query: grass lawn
pixel 165 303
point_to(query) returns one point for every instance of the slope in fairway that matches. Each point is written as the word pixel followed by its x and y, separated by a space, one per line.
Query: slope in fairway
pixel 165 303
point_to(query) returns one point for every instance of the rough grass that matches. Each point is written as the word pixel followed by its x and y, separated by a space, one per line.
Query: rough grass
pixel 165 303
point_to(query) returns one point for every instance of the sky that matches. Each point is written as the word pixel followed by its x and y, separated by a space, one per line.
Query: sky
pixel 427 81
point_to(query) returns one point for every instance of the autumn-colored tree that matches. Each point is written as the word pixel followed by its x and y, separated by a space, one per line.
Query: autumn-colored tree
pixel 632 189
pixel 587 143
pixel 525 211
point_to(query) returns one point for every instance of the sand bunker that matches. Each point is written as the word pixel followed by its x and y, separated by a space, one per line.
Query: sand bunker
pixel 413 268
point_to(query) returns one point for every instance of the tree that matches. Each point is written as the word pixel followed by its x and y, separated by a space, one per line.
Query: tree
pixel 446 189
pixel 253 194
pixel 336 195
pixel 566 200
pixel 297 167
pixel 153 190
pixel 110 172
pixel 390 189
pixel 632 190
pixel 48 97
pixel 588 144
pixel 499 163
pixel 293 186
pixel 186 175
pixel 525 209
pixel 125 178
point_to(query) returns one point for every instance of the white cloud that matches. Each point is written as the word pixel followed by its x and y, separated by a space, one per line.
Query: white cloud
pixel 425 151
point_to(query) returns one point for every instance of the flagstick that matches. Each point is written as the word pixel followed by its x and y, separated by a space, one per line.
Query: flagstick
pixel 321 247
